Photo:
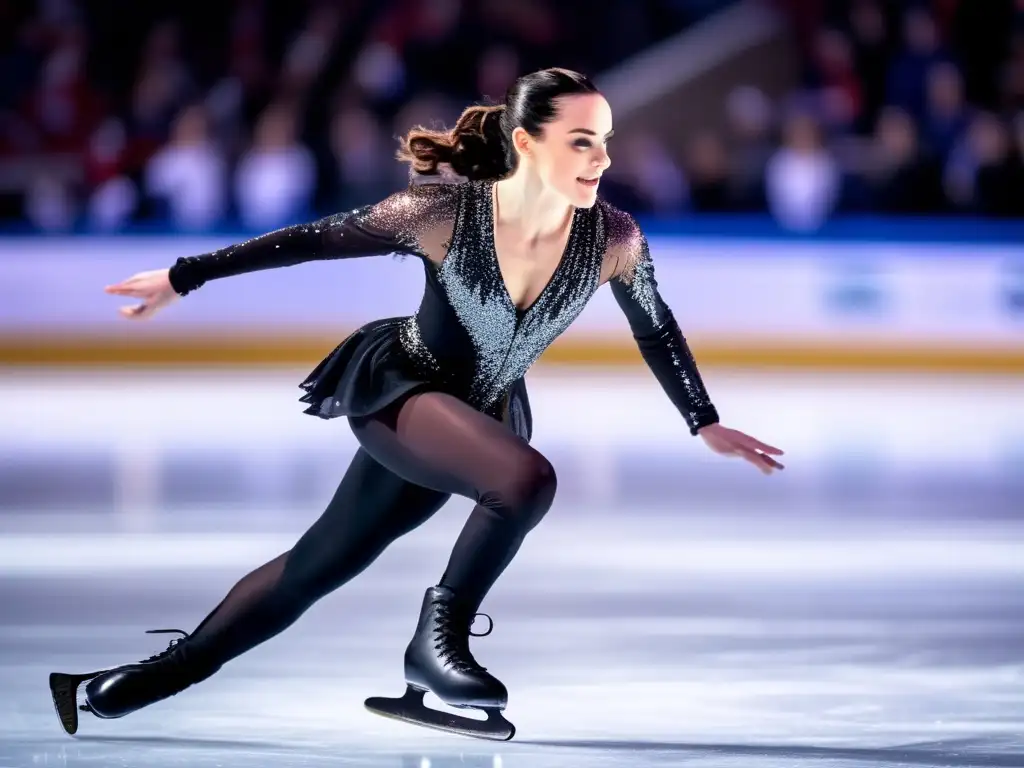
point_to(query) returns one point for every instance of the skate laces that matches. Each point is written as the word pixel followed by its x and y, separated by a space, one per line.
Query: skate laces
pixel 452 633
pixel 170 647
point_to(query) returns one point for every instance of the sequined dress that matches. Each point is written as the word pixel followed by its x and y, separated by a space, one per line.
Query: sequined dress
pixel 467 338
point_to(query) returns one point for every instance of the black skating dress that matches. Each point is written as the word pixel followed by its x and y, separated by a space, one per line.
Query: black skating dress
pixel 468 338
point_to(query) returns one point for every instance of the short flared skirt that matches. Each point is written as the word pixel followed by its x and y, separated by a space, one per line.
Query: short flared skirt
pixel 370 370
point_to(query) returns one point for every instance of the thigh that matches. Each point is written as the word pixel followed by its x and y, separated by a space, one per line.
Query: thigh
pixel 371 508
pixel 435 440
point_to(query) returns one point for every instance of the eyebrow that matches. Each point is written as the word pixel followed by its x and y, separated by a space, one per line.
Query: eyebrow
pixel 590 132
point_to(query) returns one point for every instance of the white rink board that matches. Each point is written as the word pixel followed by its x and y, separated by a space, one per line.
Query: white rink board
pixel 955 294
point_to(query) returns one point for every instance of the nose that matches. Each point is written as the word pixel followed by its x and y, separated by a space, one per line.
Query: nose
pixel 602 161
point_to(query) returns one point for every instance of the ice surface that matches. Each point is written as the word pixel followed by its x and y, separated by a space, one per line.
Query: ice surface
pixel 847 613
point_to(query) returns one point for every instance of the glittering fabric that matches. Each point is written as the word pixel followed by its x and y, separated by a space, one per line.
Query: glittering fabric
pixel 394 225
pixel 657 334
pixel 467 338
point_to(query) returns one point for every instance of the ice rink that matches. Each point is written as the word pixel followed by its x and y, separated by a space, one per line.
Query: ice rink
pixel 863 608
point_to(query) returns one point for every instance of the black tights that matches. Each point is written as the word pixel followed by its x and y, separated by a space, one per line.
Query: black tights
pixel 412 458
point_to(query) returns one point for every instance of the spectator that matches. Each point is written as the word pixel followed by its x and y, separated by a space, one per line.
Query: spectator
pixel 802 179
pixel 649 169
pixel 998 188
pixel 363 159
pixel 871 51
pixel 750 116
pixel 840 89
pixel 276 177
pixel 113 196
pixel 707 171
pixel 499 67
pixel 65 107
pixel 908 75
pixel 946 114
pixel 902 178
pixel 188 176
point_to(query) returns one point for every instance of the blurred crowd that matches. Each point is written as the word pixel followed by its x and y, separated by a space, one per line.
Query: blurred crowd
pixel 257 113
pixel 906 107
pixel 903 108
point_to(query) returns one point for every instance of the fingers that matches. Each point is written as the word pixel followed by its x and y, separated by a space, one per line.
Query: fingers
pixel 131 286
pixel 126 290
pixel 754 458
pixel 757 445
pixel 135 312
pixel 137 286
pixel 122 286
pixel 762 461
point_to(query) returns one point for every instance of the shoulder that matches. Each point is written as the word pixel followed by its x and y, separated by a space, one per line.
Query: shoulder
pixel 416 208
pixel 625 242
pixel 439 189
pixel 618 223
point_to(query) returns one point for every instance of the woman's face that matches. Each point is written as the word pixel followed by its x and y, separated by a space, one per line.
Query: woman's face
pixel 572 152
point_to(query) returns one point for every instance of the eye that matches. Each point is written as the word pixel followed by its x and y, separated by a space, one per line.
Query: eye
pixel 582 143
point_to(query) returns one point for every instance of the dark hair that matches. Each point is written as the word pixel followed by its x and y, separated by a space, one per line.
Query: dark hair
pixel 480 144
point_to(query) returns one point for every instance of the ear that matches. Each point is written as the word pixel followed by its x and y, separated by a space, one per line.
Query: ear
pixel 522 141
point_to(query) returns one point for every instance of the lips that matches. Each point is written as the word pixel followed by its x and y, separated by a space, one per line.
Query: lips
pixel 588 182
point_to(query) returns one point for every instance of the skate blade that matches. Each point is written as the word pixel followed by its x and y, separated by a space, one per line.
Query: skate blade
pixel 64 691
pixel 411 709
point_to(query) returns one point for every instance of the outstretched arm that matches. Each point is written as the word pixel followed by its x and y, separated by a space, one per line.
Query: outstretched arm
pixel 417 220
pixel 657 334
pixel 663 346
pixel 398 224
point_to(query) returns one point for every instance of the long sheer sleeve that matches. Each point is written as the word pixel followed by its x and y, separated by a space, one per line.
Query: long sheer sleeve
pixel 404 222
pixel 657 334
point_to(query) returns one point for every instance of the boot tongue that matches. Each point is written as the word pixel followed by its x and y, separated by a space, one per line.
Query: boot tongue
pixel 452 620
pixel 441 592
pixel 447 596
pixel 458 615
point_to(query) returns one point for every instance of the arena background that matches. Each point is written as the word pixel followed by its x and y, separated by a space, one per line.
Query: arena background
pixel 834 197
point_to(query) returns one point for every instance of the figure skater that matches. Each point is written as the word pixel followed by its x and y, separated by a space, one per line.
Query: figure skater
pixel 513 247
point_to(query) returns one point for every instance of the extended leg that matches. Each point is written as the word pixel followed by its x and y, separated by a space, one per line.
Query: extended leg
pixel 371 508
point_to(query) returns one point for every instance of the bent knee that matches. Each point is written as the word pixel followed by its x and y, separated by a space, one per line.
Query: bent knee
pixel 528 488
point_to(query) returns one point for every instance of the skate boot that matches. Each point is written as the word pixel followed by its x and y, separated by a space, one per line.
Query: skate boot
pixel 120 691
pixel 438 660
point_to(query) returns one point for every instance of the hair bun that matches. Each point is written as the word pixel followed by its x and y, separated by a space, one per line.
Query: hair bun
pixel 478 143
pixel 492 126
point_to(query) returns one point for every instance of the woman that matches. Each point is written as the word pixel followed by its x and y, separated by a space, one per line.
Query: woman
pixel 512 253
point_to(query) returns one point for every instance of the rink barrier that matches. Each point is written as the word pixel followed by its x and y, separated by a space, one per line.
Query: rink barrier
pixel 864 299
pixel 303 350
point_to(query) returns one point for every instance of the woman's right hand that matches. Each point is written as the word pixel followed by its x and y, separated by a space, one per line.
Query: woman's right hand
pixel 153 288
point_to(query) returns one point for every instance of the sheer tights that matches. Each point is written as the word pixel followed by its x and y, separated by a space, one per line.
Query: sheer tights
pixel 412 457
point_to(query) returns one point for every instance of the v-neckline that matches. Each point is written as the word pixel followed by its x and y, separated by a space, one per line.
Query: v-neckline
pixel 492 193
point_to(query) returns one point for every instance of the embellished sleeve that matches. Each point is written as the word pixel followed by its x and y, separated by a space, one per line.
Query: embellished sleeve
pixel 657 334
pixel 398 224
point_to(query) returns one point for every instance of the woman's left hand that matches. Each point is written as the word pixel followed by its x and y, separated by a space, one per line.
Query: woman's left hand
pixel 731 442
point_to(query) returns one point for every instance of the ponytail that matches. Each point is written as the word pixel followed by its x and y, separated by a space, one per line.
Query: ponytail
pixel 474 149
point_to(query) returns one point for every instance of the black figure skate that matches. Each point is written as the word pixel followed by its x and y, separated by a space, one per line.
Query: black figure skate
pixel 438 660
pixel 117 692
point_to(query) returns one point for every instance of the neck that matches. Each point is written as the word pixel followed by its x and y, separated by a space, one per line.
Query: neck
pixel 525 203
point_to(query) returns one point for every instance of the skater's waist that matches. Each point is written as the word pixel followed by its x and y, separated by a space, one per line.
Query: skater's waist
pixel 448 359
